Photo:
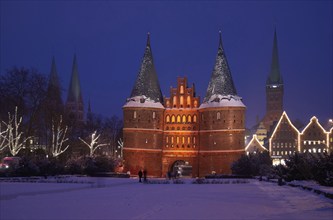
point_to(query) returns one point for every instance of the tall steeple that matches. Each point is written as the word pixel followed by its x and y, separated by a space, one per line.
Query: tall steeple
pixel 221 82
pixel 53 102
pixel 275 77
pixel 147 84
pixel 274 90
pixel 74 102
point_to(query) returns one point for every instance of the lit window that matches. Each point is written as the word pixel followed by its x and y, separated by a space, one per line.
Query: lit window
pixel 181 100
pixel 189 119
pixel 134 114
pixel 194 118
pixel 174 101
pixel 218 116
pixel 319 150
pixel 193 140
pixel 195 104
pixel 304 142
pixel 172 140
pixel 167 119
pixel 154 115
pixel 314 150
pixel 178 118
pixel 188 101
pixel 273 153
pixel 167 139
pixel 173 119
pixel 310 150
pixel 183 140
pixel 188 140
pixel 177 140
pixel 184 119
pixel 181 89
pixel 277 153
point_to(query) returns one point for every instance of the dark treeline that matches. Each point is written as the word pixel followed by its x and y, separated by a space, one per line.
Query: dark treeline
pixel 300 166
pixel 38 100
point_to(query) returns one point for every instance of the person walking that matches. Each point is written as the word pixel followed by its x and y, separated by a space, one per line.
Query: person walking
pixel 140 175
pixel 145 175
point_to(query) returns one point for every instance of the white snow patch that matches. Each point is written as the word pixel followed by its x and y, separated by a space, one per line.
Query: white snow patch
pixel 218 100
pixel 112 198
pixel 143 102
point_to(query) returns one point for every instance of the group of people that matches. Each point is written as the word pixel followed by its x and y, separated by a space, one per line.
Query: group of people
pixel 144 173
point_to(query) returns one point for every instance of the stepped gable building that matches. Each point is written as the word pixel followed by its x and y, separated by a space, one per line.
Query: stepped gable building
pixel 284 140
pixel 274 90
pixel 74 103
pixel 254 146
pixel 177 134
pixel 314 138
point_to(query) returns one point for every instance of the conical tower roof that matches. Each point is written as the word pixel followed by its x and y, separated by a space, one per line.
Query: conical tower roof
pixel 74 91
pixel 221 88
pixel 147 85
pixel 274 75
pixel 221 82
pixel 54 89
pixel 54 79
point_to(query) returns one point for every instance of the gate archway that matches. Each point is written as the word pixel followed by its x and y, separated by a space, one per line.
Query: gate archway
pixel 181 168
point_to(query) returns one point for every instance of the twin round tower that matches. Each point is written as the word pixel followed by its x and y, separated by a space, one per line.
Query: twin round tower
pixel 179 134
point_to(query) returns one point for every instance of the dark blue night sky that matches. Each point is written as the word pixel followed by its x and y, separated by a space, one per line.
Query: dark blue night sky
pixel 109 39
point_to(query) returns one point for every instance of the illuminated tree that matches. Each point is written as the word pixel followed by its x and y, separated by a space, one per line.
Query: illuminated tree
pixel 3 135
pixel 93 146
pixel 14 137
pixel 120 147
pixel 58 138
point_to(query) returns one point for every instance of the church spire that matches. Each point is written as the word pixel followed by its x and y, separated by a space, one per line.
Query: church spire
pixel 221 82
pixel 74 92
pixel 74 102
pixel 147 82
pixel 274 75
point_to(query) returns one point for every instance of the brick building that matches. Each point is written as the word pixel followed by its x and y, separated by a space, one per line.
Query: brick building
pixel 179 134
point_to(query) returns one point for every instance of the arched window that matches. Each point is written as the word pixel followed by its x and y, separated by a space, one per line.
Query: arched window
pixel 154 115
pixel 193 140
pixel 167 139
pixel 194 118
pixel 188 101
pixel 184 119
pixel 173 119
pixel 174 102
pixel 167 119
pixel 195 104
pixel 171 140
pixel 134 114
pixel 218 116
pixel 178 118
pixel 183 140
pixel 189 119
pixel 181 89
pixel 181 101
pixel 188 140
pixel 177 140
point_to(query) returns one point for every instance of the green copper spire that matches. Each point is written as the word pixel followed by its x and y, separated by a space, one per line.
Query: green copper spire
pixel 147 82
pixel 74 92
pixel 221 82
pixel 274 75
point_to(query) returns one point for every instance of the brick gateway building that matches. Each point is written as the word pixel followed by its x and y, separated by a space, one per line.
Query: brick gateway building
pixel 178 134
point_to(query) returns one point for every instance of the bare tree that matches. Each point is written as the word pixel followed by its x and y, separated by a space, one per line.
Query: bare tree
pixel 58 138
pixel 93 146
pixel 14 137
pixel 3 134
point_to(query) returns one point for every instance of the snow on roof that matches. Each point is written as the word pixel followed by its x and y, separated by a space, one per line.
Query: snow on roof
pixel 218 100
pixel 143 102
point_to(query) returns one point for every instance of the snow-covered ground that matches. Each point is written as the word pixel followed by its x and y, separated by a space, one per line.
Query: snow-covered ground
pixel 115 198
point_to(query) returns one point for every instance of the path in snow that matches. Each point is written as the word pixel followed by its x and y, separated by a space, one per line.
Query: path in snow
pixel 127 199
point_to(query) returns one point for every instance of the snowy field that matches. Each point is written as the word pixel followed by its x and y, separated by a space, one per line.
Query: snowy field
pixel 112 198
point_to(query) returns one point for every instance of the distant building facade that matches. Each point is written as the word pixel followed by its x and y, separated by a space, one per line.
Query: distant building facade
pixel 286 139
pixel 179 134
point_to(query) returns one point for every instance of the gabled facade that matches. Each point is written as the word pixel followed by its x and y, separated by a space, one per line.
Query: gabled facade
pixel 284 140
pixel 254 146
pixel 314 138
pixel 179 135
